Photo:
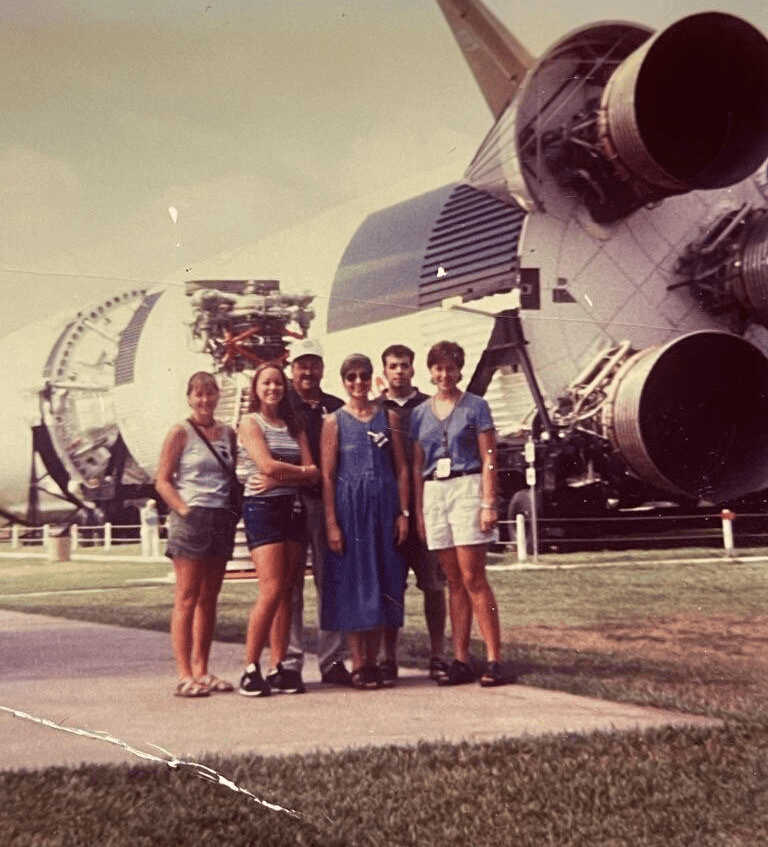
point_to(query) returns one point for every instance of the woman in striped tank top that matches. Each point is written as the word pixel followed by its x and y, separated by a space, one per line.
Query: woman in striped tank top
pixel 275 458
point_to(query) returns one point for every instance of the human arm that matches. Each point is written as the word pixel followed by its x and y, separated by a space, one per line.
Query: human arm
pixel 170 454
pixel 486 445
pixel 401 473
pixel 418 490
pixel 275 472
pixel 329 445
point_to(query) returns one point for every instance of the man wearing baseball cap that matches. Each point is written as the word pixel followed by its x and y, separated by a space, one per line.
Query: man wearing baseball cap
pixel 305 359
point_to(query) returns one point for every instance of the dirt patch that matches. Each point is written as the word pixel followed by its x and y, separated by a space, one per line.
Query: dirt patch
pixel 715 663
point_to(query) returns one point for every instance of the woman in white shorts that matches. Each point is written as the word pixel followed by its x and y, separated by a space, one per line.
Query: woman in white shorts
pixel 455 489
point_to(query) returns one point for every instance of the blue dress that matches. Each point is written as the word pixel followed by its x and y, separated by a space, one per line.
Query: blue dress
pixel 364 587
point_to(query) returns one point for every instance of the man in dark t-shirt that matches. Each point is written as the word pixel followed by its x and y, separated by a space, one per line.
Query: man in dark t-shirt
pixel 402 397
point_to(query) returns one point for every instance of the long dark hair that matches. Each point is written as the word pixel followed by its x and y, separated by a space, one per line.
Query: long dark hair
pixel 285 409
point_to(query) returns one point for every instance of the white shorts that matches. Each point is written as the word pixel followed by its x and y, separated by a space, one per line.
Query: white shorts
pixel 452 513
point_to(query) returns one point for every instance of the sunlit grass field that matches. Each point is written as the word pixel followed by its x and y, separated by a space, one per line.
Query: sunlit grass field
pixel 669 787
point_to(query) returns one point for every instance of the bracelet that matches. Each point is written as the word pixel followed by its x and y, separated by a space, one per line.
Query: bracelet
pixel 488 506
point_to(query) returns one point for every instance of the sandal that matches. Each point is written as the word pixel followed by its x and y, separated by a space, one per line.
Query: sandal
pixel 190 688
pixel 494 675
pixel 214 684
pixel 438 669
pixel 459 673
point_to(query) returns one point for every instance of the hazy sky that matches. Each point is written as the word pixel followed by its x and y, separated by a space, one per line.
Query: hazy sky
pixel 247 116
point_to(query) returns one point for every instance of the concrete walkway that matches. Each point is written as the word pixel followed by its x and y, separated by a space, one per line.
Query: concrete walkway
pixel 120 681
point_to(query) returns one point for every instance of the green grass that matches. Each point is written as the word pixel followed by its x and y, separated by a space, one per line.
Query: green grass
pixel 565 596
pixel 662 788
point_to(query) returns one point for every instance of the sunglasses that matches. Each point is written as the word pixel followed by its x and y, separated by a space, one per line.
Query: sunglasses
pixel 353 376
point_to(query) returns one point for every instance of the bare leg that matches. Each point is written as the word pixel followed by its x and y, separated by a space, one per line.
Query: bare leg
pixel 471 561
pixel 390 643
pixel 372 642
pixel 189 577
pixel 269 560
pixel 357 648
pixel 281 624
pixel 459 604
pixel 204 623
pixel 434 614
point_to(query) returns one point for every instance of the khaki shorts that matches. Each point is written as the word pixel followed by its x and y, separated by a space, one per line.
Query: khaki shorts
pixel 204 534
pixel 452 513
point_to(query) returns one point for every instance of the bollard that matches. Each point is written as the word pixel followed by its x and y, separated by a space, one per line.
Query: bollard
pixel 520 540
pixel 728 517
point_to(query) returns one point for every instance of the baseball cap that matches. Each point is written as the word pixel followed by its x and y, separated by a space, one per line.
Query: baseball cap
pixel 304 347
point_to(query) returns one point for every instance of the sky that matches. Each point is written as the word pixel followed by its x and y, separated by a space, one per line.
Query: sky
pixel 245 117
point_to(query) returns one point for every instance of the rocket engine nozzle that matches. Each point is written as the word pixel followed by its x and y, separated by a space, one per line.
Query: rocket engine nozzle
pixel 689 108
pixel 689 417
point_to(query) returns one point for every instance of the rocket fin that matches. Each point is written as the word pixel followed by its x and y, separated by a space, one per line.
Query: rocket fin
pixel 495 57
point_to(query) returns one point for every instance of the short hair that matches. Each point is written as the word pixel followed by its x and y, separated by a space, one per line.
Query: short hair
pixel 400 351
pixel 285 409
pixel 201 378
pixel 356 359
pixel 446 350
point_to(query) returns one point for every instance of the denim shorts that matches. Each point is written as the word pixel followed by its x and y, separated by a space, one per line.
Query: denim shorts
pixel 272 520
pixel 204 534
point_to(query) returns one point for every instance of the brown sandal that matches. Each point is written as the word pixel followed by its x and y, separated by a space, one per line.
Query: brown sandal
pixel 190 688
pixel 215 685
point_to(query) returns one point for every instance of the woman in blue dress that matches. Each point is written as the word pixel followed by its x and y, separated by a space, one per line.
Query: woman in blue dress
pixel 365 492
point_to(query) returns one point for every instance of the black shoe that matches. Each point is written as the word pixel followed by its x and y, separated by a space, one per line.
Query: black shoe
pixel 459 673
pixel 438 669
pixel 337 674
pixel 388 673
pixel 285 681
pixel 494 675
pixel 252 684
pixel 366 678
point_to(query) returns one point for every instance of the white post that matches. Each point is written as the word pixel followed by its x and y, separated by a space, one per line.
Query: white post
pixel 530 478
pixel 46 537
pixel 520 540
pixel 107 536
pixel 15 540
pixel 727 517
pixel 74 537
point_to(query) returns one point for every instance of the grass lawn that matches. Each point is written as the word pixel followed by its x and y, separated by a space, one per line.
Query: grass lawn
pixel 678 634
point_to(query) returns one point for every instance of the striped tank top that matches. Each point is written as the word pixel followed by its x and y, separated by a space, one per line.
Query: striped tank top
pixel 282 446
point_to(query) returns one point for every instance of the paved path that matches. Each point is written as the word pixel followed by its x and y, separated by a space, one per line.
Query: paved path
pixel 119 681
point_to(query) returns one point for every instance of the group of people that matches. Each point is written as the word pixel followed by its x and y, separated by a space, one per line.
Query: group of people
pixel 372 487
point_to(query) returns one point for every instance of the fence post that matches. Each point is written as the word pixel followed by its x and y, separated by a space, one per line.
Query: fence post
pixel 45 538
pixel 728 517
pixel 74 537
pixel 107 536
pixel 15 541
pixel 520 539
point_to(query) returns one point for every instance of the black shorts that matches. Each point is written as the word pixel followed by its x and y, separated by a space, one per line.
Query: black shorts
pixel 272 520
pixel 203 534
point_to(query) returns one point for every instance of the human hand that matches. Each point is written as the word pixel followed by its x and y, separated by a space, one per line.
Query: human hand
pixel 263 483
pixel 335 539
pixel 488 518
pixel 421 528
pixel 401 529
